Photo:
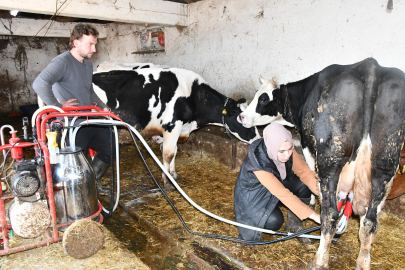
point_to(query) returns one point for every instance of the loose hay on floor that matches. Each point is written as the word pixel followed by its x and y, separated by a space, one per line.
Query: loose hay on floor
pixel 113 255
pixel 210 184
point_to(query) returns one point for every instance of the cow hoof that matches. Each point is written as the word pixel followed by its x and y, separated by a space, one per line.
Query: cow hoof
pixel 176 176
pixel 169 187
pixel 313 266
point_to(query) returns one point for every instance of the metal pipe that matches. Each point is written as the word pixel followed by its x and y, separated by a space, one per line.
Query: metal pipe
pixel 2 136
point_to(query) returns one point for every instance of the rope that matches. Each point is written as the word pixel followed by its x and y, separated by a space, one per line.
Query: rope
pixel 224 112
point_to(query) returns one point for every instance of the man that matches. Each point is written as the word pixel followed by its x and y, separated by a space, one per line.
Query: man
pixel 67 82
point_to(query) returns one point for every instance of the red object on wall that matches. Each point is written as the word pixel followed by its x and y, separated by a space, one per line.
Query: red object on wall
pixel 158 39
pixel 161 38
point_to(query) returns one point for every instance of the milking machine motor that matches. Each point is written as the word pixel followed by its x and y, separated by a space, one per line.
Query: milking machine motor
pixel 53 190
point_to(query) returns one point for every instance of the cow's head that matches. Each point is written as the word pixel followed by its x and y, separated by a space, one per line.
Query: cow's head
pixel 264 107
pixel 233 110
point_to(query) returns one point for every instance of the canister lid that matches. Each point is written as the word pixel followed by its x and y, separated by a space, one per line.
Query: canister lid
pixel 70 150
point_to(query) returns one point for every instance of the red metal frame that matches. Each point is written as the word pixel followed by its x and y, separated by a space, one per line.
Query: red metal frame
pixel 40 122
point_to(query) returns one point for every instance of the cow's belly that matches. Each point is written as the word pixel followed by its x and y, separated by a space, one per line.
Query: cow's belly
pixel 151 130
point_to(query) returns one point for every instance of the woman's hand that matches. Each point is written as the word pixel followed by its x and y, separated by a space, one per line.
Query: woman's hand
pixel 315 217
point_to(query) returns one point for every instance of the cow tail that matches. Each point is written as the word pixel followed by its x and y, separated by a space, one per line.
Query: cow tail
pixel 368 70
pixel 362 176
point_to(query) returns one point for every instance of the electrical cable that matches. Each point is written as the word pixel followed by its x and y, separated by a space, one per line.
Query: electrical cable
pixel 11 165
pixel 36 141
pixel 57 9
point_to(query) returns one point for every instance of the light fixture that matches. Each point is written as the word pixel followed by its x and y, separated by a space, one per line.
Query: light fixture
pixel 14 12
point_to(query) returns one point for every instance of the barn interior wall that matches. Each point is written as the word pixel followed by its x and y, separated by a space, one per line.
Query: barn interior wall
pixel 230 43
pixel 21 60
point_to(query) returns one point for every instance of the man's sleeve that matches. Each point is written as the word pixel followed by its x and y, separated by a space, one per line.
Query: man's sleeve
pixel 43 83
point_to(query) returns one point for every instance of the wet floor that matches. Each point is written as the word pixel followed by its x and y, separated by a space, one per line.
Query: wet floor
pixel 154 252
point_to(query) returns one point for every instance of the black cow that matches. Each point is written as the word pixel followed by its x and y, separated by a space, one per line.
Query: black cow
pixel 351 121
pixel 171 102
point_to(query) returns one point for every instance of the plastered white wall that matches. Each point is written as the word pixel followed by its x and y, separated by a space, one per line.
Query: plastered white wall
pixel 231 42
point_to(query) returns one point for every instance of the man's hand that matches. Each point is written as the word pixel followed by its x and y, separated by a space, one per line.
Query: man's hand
pixel 70 103
pixel 106 109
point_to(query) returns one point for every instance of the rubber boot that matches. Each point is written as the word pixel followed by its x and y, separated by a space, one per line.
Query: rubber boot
pixel 294 224
pixel 99 168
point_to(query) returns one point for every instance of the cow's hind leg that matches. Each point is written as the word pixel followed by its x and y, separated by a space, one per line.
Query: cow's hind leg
pixel 381 179
pixel 330 161
pixel 387 137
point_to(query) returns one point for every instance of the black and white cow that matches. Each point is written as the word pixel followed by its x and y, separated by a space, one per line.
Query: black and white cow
pixel 351 121
pixel 171 102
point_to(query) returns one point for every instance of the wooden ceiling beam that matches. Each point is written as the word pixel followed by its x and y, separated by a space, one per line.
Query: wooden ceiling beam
pixel 42 28
pixel 141 12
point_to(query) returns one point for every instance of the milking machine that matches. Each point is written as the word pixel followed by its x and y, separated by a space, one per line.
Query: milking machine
pixel 52 191
pixel 55 189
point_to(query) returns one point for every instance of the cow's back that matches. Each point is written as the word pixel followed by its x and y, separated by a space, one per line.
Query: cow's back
pixel 145 98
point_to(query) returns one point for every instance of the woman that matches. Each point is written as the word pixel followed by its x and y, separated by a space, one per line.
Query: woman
pixel 273 172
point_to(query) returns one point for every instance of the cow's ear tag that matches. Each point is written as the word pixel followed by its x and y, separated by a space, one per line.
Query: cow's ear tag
pixel 224 112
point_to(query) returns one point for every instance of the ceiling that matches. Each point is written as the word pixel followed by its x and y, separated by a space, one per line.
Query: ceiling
pixel 183 1
pixel 5 14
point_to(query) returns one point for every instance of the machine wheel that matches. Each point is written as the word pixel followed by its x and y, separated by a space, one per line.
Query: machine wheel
pixel 83 238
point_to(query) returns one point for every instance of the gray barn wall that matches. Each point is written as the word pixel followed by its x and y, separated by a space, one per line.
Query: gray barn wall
pixel 24 58
pixel 230 43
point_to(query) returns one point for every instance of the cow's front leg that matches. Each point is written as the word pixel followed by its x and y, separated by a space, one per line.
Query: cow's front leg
pixel 173 172
pixel 169 154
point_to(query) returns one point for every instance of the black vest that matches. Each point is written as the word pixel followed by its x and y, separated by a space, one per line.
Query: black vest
pixel 253 202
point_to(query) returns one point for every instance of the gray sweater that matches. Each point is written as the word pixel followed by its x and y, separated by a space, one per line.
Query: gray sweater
pixel 66 78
